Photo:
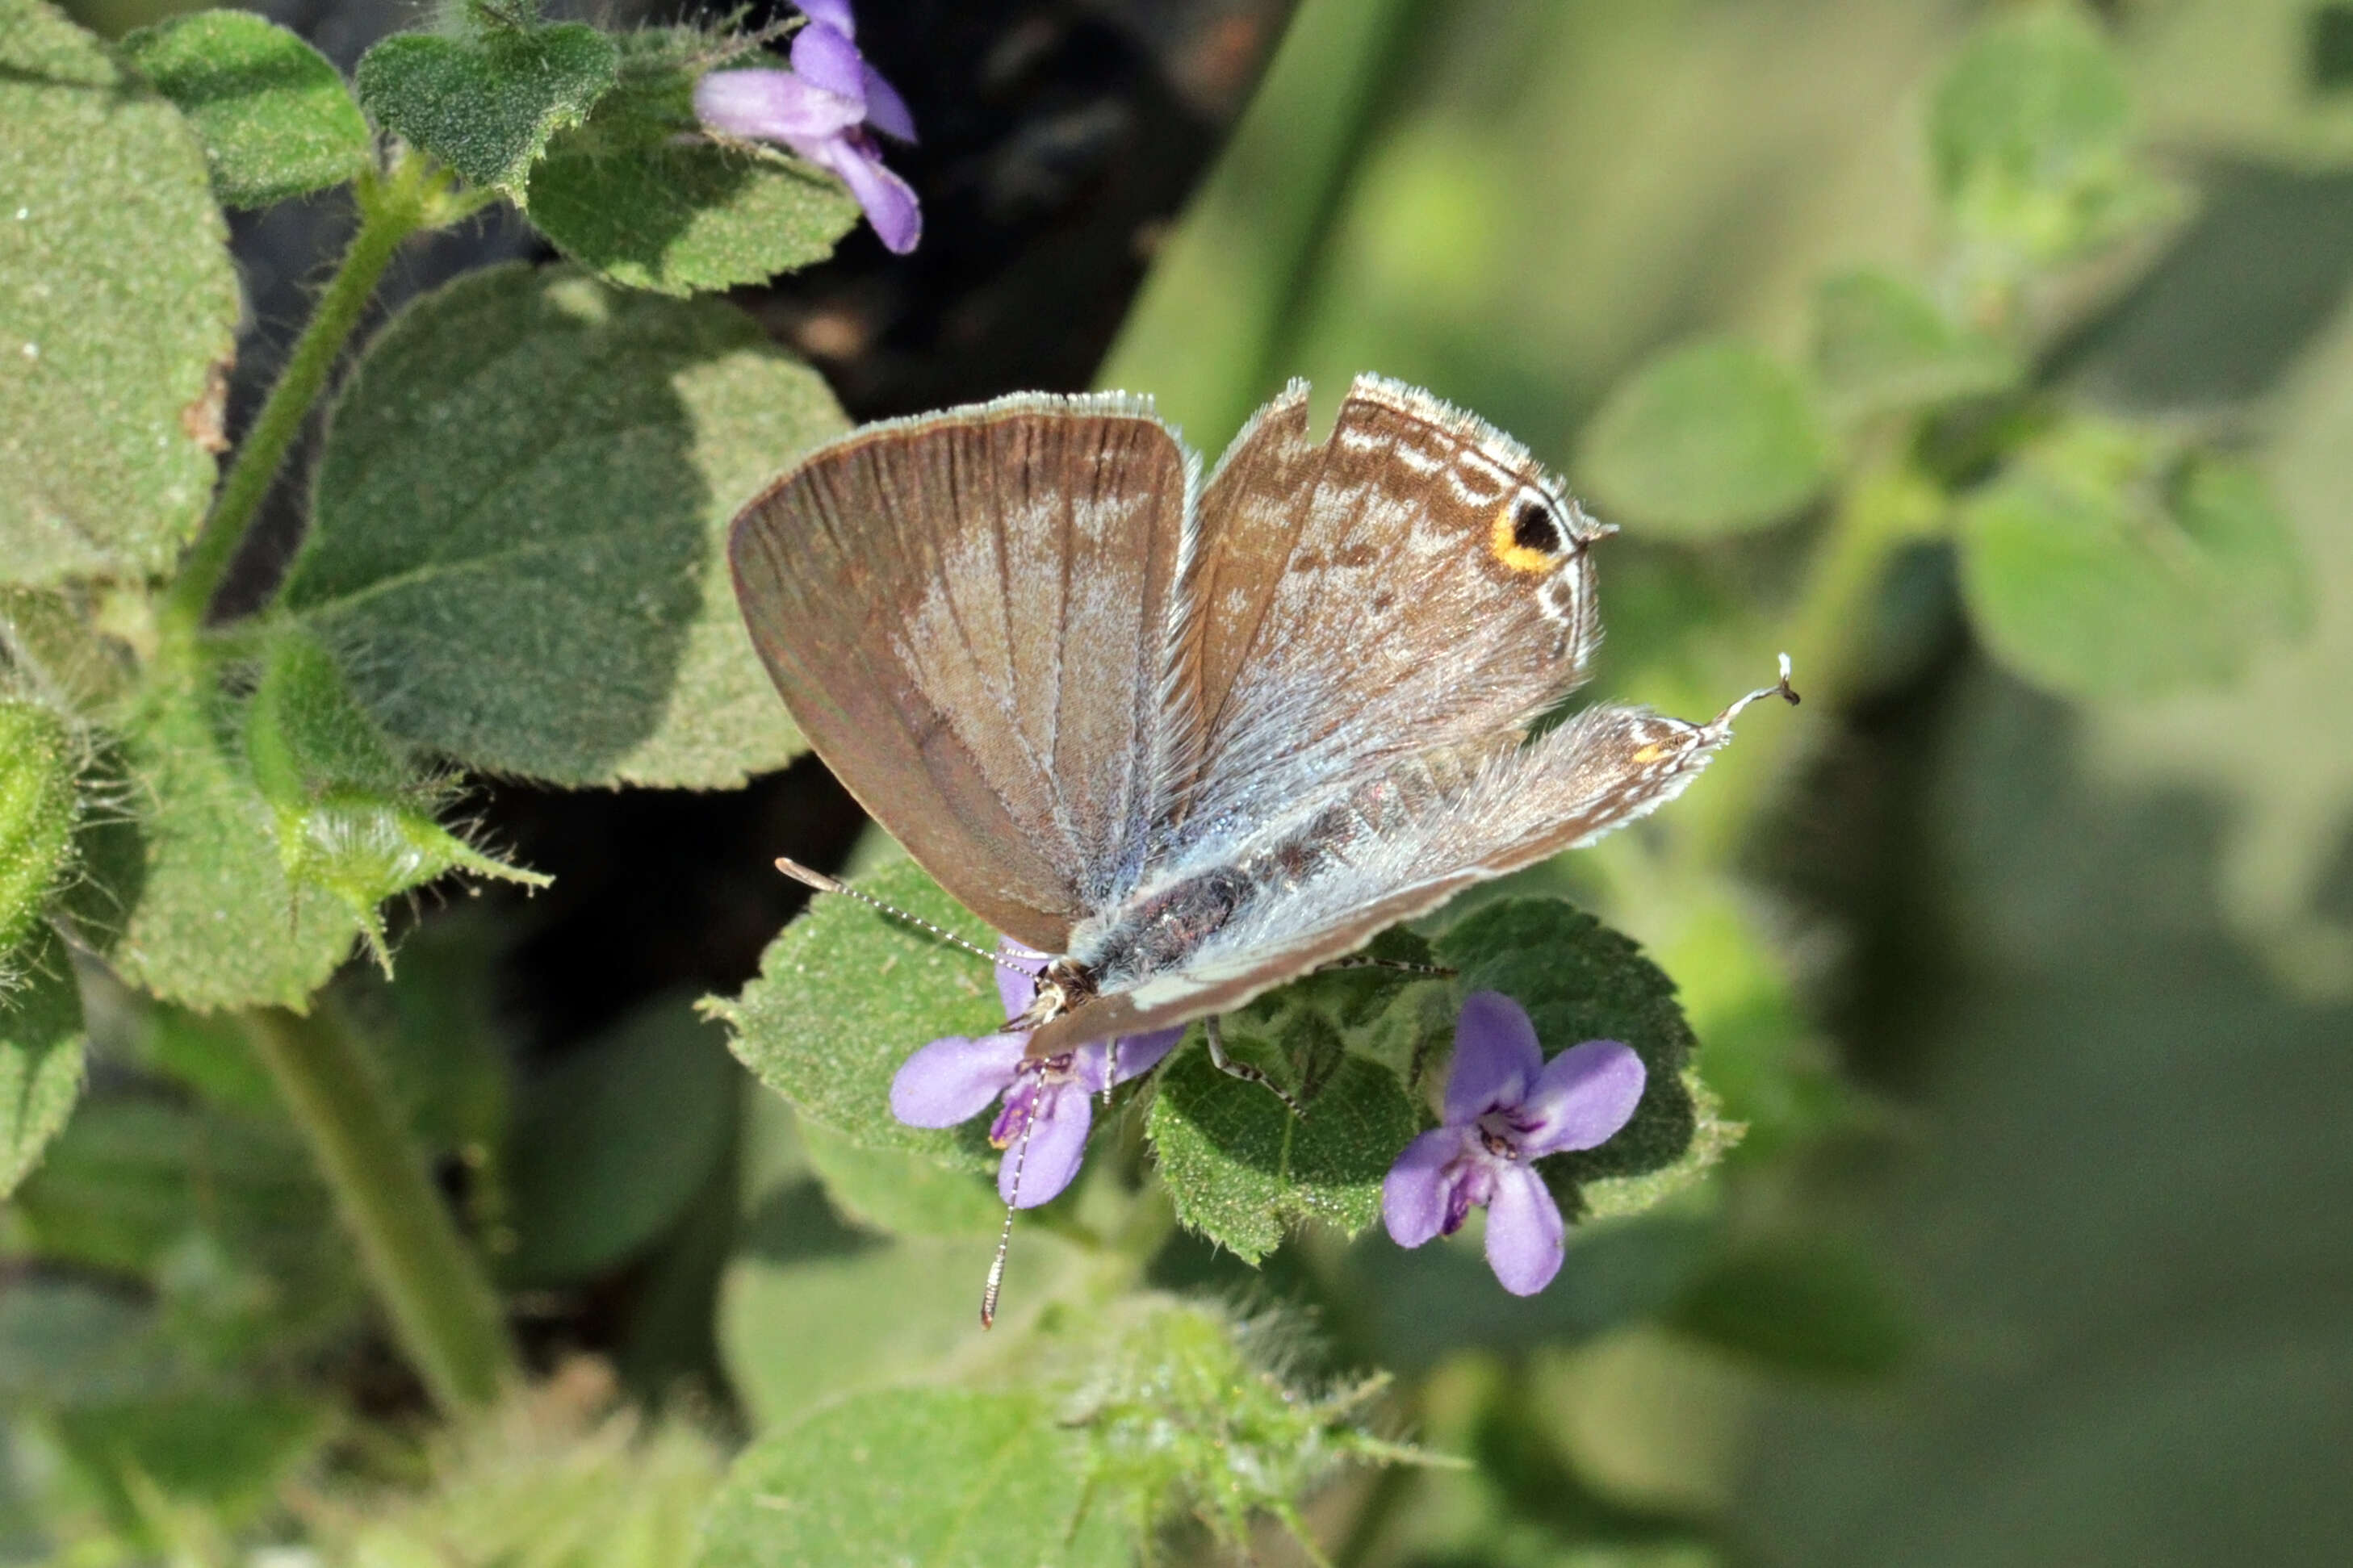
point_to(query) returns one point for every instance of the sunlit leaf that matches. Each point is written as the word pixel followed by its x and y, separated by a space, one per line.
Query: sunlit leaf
pixel 274 116
pixel 1713 438
pixel 117 301
pixel 2100 562
pixel 639 196
pixel 846 995
pixel 1881 345
pixel 41 1049
pixel 37 810
pixel 486 103
pixel 946 1478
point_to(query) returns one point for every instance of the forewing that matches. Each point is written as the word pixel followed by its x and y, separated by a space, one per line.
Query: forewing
pixel 968 617
pixel 1406 844
pixel 1414 582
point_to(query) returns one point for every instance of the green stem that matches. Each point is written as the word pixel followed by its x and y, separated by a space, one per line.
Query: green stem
pixel 393 206
pixel 444 1313
pixel 1881 511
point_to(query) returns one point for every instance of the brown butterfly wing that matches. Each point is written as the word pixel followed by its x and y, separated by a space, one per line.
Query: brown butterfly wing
pixel 1409 842
pixel 968 617
pixel 1414 582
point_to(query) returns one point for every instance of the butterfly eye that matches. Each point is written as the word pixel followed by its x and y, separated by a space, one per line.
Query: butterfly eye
pixel 1534 527
pixel 1527 535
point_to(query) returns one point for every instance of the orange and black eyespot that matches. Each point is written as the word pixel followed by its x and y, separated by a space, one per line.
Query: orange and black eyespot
pixel 1527 536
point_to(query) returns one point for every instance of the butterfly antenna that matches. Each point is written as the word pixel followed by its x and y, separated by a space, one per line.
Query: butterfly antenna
pixel 1005 1236
pixel 819 882
pixel 1781 689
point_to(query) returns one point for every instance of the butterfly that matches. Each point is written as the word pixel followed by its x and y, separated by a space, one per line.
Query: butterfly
pixel 1190 738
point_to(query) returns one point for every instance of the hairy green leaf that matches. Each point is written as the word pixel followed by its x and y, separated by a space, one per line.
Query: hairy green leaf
pixel 610 1146
pixel 1190 1414
pixel 637 195
pixel 196 907
pixel 356 819
pixel 1881 346
pixel 117 301
pixel 41 1049
pixel 944 1478
pixel 900 1192
pixel 1581 980
pixel 274 117
pixel 846 995
pixel 1711 438
pixel 37 810
pixel 2100 562
pixel 1241 1168
pixel 486 104
pixel 521 509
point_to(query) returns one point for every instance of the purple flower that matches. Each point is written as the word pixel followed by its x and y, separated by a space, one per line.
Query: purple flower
pixel 821 109
pixel 954 1079
pixel 1506 1106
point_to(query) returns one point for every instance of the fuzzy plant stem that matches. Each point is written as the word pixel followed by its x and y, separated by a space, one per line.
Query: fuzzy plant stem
pixel 413 194
pixel 444 1313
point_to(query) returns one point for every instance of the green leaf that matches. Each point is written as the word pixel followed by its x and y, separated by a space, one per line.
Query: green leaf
pixel 227 1450
pixel 1882 346
pixel 42 1047
pixel 274 117
pixel 610 1146
pixel 1711 438
pixel 223 1214
pixel 946 1478
pixel 2030 137
pixel 1189 1413
pixel 196 905
pixel 67 1341
pixel 1581 980
pixel 37 811
pixel 1242 1170
pixel 117 305
pixel 845 996
pixel 487 105
pixel 2101 562
pixel 355 819
pixel 811 1309
pixel 519 529
pixel 635 195
pixel 900 1192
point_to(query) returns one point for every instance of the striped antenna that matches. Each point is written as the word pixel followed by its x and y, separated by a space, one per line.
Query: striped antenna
pixel 820 882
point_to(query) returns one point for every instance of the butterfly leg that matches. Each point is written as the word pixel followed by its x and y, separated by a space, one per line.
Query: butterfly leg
pixel 1242 1070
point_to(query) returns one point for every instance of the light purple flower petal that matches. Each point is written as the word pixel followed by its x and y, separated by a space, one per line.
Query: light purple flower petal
pixel 885 109
pixel 1018 968
pixel 1581 1098
pixel 1136 1054
pixel 1415 1194
pixel 1524 1244
pixel 824 56
pixel 890 201
pixel 1496 1056
pixel 952 1080
pixel 834 14
pixel 772 106
pixel 1058 1142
